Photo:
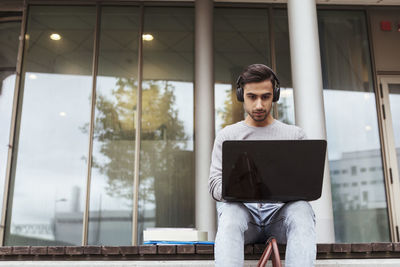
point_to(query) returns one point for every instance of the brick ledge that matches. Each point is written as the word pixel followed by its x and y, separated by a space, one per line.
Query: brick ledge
pixel 187 252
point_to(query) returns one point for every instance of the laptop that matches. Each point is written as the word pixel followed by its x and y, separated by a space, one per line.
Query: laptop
pixel 276 170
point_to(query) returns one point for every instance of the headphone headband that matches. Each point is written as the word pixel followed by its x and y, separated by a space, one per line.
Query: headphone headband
pixel 274 81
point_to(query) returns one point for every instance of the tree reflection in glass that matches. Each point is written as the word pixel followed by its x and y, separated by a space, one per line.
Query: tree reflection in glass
pixel 164 146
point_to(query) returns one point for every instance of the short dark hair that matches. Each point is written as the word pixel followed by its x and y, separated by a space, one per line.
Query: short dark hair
pixel 256 73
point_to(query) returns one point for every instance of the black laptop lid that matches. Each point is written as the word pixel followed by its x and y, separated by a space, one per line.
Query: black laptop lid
pixel 281 170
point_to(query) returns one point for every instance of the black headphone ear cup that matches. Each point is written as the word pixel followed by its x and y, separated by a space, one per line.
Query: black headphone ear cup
pixel 277 92
pixel 277 88
pixel 239 90
pixel 239 94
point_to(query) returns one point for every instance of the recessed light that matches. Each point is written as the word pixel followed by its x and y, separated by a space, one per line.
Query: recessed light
pixel 147 37
pixel 55 36
pixel 62 114
pixel 32 76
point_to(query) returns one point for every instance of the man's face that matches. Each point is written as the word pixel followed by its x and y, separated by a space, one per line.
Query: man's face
pixel 258 100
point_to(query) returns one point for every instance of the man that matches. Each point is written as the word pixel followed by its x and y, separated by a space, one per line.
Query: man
pixel 292 223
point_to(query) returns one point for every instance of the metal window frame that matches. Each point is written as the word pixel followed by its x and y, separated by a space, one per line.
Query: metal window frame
pixel 95 59
pixel 11 19
pixel 272 51
pixel 386 139
pixel 13 129
pixel 391 167
pixel 138 129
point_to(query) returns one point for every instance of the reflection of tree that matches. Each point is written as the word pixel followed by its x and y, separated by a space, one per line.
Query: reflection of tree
pixel 164 158
pixel 232 111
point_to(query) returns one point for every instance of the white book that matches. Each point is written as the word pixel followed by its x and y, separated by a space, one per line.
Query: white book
pixel 174 234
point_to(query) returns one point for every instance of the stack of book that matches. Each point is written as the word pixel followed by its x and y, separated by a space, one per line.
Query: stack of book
pixel 174 236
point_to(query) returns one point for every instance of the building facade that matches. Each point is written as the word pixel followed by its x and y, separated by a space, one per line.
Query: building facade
pixel 108 111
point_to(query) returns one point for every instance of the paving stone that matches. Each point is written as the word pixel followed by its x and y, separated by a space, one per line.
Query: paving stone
pixel 5 250
pixel 74 250
pixel 248 249
pixel 21 250
pixel 92 250
pixel 324 248
pixel 361 247
pixel 396 247
pixel 382 247
pixel 166 249
pixel 185 249
pixel 259 248
pixel 148 249
pixel 204 249
pixel 282 248
pixel 129 250
pixel 110 250
pixel 39 250
pixel 56 250
pixel 341 248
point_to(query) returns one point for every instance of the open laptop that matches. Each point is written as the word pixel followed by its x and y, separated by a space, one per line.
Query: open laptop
pixel 281 170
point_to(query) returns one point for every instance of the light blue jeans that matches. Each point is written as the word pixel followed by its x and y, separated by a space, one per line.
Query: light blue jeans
pixel 292 224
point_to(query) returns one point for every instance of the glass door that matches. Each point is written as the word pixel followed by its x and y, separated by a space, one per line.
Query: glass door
pixel 390 104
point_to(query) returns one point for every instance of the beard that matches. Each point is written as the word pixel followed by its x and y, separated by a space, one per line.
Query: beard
pixel 259 115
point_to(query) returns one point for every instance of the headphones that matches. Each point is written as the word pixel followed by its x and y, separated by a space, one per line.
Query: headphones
pixel 276 92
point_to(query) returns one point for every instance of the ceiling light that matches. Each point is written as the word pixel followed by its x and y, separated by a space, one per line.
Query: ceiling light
pixel 62 114
pixel 368 128
pixel 32 76
pixel 55 36
pixel 147 37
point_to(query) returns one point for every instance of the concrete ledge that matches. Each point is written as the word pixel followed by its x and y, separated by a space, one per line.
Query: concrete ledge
pixel 208 263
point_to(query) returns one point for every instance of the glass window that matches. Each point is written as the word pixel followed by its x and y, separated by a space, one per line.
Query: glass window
pixel 9 42
pixel 50 156
pixel 283 66
pixel 353 134
pixel 110 217
pixel 241 38
pixel 166 192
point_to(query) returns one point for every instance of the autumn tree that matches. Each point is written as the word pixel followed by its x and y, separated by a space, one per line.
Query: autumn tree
pixel 165 163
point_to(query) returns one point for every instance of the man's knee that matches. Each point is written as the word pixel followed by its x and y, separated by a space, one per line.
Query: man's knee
pixel 233 216
pixel 300 213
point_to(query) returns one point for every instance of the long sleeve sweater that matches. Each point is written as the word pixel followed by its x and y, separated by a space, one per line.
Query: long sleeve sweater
pixel 241 131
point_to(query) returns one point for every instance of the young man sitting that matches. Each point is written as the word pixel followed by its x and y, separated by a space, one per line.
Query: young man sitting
pixel 291 223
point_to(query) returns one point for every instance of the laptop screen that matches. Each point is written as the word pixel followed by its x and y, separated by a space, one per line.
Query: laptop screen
pixel 281 170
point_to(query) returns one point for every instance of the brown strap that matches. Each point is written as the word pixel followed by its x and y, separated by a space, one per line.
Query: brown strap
pixel 271 249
